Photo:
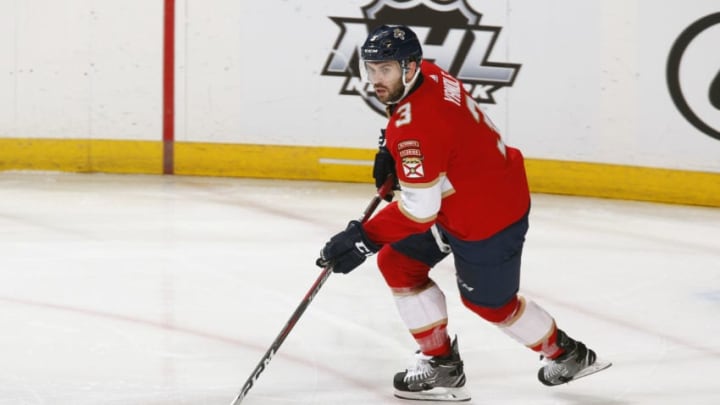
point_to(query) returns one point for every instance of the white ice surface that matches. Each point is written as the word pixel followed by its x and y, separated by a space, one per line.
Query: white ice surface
pixel 168 290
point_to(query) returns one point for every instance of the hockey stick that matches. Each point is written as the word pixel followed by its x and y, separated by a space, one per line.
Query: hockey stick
pixel 265 360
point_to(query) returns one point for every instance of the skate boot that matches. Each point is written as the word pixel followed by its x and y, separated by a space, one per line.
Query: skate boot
pixel 433 378
pixel 578 361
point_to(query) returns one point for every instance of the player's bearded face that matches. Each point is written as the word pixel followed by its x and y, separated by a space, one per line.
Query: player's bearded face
pixel 386 78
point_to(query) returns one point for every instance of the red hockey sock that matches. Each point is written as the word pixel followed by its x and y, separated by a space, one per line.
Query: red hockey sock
pixel 434 342
pixel 549 347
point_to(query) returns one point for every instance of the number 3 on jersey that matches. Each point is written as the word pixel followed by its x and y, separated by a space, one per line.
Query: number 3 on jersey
pixel 480 117
pixel 404 115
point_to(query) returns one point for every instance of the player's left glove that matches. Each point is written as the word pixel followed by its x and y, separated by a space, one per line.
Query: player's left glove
pixel 347 250
pixel 383 167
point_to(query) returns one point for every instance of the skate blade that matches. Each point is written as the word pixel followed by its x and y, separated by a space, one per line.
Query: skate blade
pixel 459 394
pixel 592 369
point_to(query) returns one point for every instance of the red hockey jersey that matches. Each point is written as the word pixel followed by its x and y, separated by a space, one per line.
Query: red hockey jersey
pixel 452 165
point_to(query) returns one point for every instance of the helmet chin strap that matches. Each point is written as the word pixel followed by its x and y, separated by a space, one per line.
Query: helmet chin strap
pixel 408 85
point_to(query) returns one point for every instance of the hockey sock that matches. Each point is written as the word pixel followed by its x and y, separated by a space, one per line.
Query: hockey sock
pixel 424 312
pixel 434 342
pixel 526 322
pixel 534 327
pixel 549 347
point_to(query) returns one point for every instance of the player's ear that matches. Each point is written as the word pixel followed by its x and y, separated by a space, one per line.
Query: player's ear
pixel 413 67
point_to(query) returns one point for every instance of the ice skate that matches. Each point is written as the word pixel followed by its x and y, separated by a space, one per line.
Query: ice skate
pixel 433 378
pixel 578 361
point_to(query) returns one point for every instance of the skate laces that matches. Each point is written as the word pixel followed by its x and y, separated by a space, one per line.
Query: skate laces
pixel 567 365
pixel 552 368
pixel 421 369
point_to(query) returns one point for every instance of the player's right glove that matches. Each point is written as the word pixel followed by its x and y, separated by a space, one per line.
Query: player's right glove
pixel 384 166
pixel 347 250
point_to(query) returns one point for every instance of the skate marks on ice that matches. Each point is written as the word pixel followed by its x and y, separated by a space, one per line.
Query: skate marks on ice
pixel 194 260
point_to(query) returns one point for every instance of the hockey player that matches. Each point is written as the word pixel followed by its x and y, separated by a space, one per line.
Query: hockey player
pixel 463 191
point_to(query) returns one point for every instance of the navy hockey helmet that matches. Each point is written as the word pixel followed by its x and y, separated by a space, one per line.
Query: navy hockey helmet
pixel 391 42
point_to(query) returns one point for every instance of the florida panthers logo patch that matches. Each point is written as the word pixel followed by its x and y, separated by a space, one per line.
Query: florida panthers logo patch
pixel 412 159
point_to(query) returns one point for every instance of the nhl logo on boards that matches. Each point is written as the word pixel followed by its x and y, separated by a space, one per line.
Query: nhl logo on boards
pixel 449 32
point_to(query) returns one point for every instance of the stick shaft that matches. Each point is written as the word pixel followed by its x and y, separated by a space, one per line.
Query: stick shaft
pixel 309 296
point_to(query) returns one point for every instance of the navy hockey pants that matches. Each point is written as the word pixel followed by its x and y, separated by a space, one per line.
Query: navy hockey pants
pixel 488 270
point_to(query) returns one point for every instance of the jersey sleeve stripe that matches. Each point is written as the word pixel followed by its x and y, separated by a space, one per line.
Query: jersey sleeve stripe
pixel 421 202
